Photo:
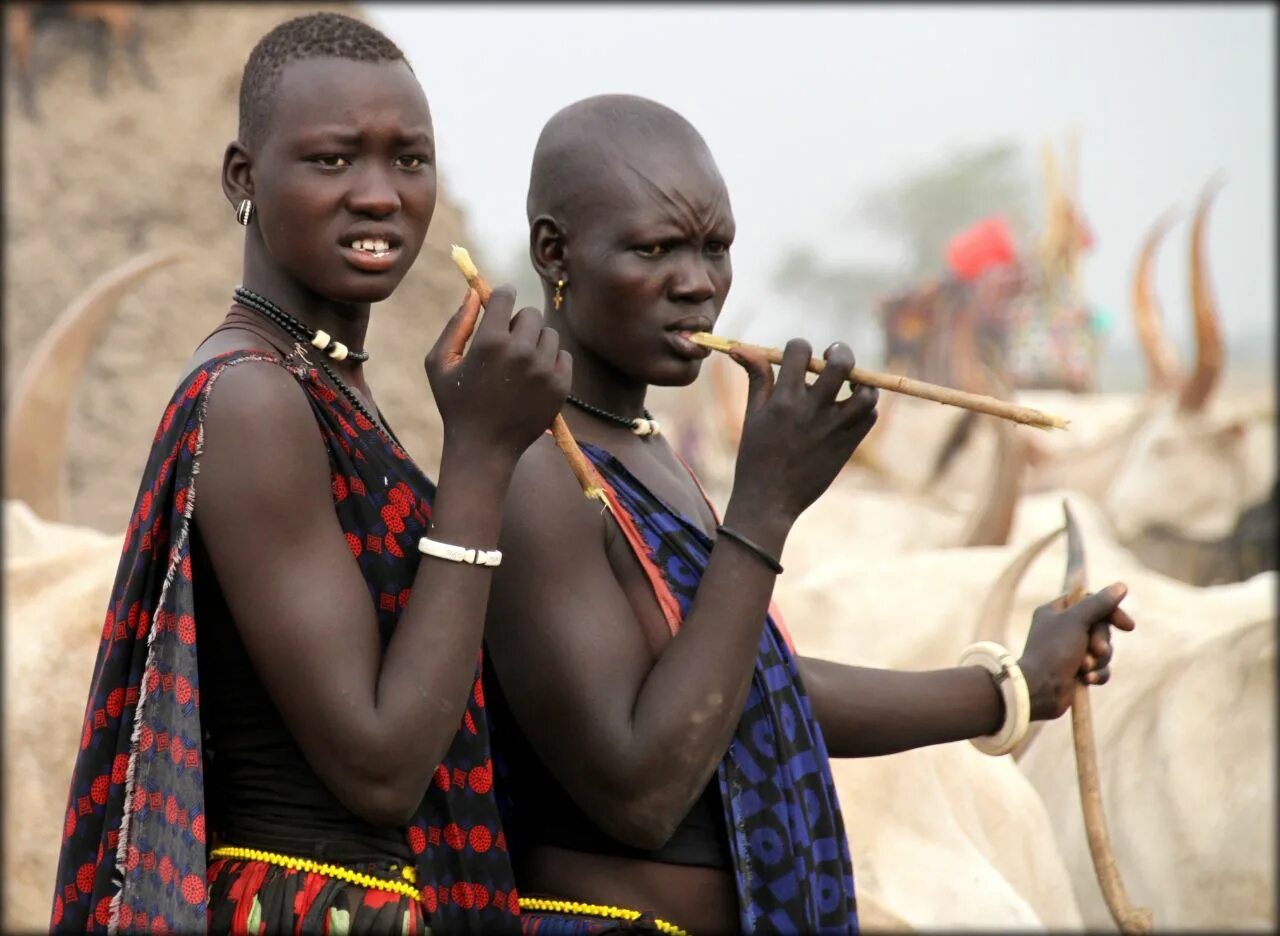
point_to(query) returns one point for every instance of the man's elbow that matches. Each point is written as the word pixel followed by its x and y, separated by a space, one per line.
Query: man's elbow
pixel 386 804
pixel 642 822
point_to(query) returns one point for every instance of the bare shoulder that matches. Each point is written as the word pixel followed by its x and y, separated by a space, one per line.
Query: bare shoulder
pixel 545 505
pixel 259 396
pixel 261 440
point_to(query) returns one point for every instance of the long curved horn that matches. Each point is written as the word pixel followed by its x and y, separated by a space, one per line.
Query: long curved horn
pixel 1209 351
pixel 999 602
pixel 992 521
pixel 1162 356
pixel 36 430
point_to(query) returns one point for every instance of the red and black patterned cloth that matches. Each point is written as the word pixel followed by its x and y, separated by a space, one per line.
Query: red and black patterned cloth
pixel 134 851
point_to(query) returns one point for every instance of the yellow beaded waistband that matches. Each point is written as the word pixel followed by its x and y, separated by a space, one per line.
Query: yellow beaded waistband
pixel 601 910
pixel 328 870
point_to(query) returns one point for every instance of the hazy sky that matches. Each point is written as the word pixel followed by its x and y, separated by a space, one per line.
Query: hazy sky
pixel 807 109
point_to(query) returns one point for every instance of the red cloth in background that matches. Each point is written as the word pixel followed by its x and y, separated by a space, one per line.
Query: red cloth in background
pixel 978 248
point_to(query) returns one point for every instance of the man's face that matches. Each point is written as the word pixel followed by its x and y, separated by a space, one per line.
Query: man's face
pixel 647 258
pixel 344 178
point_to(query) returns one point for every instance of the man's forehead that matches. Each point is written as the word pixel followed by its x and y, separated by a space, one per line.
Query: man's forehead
pixel 652 171
pixel 330 84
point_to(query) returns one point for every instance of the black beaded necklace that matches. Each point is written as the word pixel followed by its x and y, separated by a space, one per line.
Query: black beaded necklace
pixel 298 329
pixel 299 332
pixel 641 426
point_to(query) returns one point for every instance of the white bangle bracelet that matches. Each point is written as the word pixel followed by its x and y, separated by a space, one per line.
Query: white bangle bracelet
pixel 997 661
pixel 430 547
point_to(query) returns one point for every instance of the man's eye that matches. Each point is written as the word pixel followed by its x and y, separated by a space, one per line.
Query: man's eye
pixel 332 162
pixel 717 248
pixel 413 162
pixel 651 250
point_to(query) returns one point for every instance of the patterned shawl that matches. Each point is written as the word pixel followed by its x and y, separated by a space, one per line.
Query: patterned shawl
pixel 134 840
pixel 790 856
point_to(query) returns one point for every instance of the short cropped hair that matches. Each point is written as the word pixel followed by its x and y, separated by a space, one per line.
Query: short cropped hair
pixel 316 35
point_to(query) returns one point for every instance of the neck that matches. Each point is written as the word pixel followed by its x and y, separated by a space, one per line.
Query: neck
pixel 595 380
pixel 347 322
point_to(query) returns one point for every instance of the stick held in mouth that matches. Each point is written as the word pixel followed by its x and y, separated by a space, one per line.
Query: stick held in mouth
pixel 905 385
pixel 582 469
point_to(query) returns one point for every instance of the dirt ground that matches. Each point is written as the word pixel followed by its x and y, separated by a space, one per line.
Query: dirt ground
pixel 99 180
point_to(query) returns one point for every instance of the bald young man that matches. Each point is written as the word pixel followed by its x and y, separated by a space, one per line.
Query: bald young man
pixel 664 748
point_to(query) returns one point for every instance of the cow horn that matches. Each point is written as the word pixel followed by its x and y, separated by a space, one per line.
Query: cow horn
pixel 992 520
pixel 1162 357
pixel 1208 327
pixel 999 603
pixel 35 436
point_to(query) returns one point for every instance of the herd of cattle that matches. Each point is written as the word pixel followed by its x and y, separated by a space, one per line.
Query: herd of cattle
pixel 1173 492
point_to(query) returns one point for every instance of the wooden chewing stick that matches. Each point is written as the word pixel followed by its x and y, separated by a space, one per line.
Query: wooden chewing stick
pixel 906 385
pixel 581 468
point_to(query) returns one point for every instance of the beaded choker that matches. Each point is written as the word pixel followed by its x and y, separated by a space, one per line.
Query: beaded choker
pixel 642 425
pixel 298 330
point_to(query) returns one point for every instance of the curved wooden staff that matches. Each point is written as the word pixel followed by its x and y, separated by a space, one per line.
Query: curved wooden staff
pixel 1129 918
pixel 36 423
pixel 582 470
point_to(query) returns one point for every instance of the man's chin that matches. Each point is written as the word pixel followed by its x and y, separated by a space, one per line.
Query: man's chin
pixel 679 375
pixel 370 290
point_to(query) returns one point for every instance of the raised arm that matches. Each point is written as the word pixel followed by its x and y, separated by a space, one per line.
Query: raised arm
pixel 372 724
pixel 865 712
pixel 633 725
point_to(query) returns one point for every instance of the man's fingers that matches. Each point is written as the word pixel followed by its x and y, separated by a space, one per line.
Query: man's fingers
pixel 453 340
pixel 1097 677
pixel 525 327
pixel 759 376
pixel 1100 606
pixel 839 358
pixel 1120 618
pixel 1100 642
pixel 795 364
pixel 497 312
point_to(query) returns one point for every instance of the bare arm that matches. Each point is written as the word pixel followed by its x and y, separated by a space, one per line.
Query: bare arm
pixel 866 712
pixel 634 735
pixel 632 739
pixel 373 725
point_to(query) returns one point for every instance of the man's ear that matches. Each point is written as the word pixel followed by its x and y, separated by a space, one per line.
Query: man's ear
pixel 547 249
pixel 237 173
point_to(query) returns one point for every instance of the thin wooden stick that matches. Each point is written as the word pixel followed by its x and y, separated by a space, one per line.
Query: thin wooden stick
pixel 906 385
pixel 1129 918
pixel 581 468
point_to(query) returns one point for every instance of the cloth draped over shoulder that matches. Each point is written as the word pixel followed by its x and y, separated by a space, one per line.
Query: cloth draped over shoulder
pixel 134 852
pixel 790 856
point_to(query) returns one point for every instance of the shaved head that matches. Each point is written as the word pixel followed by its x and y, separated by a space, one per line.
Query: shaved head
pixel 593 147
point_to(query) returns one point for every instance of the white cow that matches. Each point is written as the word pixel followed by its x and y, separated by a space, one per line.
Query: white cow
pixel 1183 729
pixel 57 585
pixel 1186 747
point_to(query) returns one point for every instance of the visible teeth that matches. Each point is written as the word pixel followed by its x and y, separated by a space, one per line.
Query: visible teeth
pixel 374 245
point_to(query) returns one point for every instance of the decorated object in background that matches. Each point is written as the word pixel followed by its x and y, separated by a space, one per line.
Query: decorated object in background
pixel 981 247
pixel 1022 313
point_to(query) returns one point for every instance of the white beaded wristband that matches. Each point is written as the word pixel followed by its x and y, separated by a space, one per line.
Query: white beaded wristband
pixel 1001 664
pixel 430 547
